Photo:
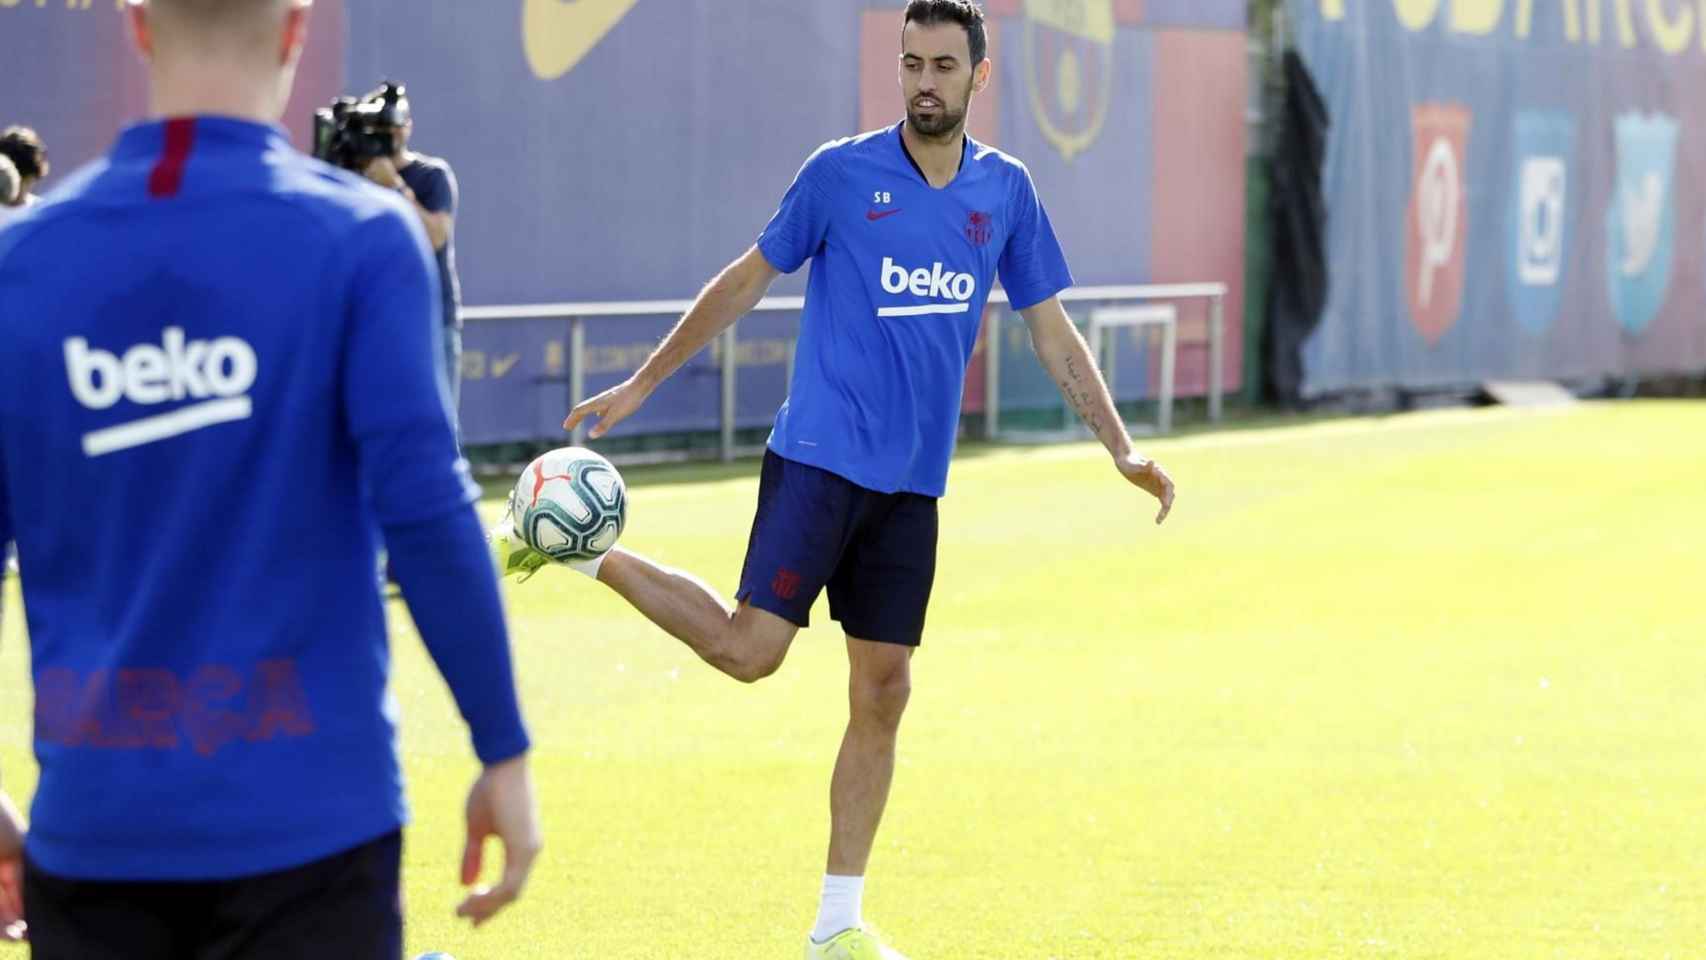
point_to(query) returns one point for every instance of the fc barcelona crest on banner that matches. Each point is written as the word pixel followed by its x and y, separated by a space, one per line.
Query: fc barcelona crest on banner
pixel 1436 227
pixel 1069 74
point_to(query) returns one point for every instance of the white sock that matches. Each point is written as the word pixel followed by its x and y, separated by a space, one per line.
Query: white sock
pixel 589 567
pixel 840 908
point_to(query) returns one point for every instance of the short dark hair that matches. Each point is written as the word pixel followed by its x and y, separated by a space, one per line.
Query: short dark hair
pixel 24 148
pixel 966 13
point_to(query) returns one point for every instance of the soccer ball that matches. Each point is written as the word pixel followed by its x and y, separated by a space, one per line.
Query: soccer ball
pixel 570 505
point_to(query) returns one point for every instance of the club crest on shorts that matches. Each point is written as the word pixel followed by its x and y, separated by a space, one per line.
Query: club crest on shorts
pixel 980 227
pixel 1641 224
pixel 786 585
pixel 1436 225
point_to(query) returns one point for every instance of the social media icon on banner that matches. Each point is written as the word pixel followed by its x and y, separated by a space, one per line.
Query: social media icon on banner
pixel 1438 193
pixel 1540 252
pixel 1436 228
pixel 1642 212
pixel 1641 222
pixel 1542 216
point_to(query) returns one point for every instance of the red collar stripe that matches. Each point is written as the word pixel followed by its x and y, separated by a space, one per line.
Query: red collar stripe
pixel 168 174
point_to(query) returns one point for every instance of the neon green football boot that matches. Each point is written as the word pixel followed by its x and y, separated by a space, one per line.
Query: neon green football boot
pixel 851 945
pixel 511 557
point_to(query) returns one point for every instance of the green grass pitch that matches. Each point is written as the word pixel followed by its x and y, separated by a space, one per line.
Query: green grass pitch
pixel 1430 686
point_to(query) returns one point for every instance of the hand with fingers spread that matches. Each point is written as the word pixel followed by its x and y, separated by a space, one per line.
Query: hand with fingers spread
pixel 610 407
pixel 12 928
pixel 500 805
pixel 1148 475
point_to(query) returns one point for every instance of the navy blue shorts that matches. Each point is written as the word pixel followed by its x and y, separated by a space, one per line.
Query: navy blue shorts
pixel 348 906
pixel 876 552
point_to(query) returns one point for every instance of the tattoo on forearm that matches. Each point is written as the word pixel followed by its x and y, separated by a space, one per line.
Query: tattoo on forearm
pixel 1081 397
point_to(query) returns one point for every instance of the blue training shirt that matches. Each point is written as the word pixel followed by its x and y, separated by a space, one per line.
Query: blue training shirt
pixel 901 272
pixel 219 387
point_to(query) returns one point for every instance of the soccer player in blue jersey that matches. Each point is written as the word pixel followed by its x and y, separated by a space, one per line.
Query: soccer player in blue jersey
pixel 219 392
pixel 907 227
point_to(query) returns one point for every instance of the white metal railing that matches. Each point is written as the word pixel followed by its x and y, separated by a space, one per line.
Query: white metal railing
pixel 1163 315
pixel 578 313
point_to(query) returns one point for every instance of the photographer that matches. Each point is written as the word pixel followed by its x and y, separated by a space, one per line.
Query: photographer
pixel 370 136
pixel 430 185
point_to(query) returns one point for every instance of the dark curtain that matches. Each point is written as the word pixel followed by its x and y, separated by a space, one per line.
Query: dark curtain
pixel 1298 291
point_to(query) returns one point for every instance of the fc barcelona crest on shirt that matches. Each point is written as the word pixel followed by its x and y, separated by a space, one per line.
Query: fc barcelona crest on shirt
pixel 1069 69
pixel 979 228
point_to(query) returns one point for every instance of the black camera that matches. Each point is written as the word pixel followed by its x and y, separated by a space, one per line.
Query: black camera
pixel 354 130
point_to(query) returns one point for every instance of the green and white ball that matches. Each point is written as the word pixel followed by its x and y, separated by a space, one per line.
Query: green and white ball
pixel 570 505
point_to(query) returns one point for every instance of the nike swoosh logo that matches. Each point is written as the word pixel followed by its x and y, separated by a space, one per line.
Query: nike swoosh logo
pixel 557 34
pixel 874 215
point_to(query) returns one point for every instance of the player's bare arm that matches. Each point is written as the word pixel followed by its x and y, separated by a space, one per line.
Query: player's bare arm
pixel 724 300
pixel 1067 359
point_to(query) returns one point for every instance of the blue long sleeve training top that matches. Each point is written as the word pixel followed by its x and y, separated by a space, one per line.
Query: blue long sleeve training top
pixel 219 392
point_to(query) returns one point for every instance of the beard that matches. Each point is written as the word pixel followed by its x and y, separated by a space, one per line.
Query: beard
pixel 943 122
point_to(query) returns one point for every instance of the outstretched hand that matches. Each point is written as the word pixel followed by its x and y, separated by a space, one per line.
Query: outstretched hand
pixel 1148 475
pixel 610 407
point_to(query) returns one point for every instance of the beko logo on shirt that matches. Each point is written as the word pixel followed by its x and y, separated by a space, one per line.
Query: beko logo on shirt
pixel 935 282
pixel 217 373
